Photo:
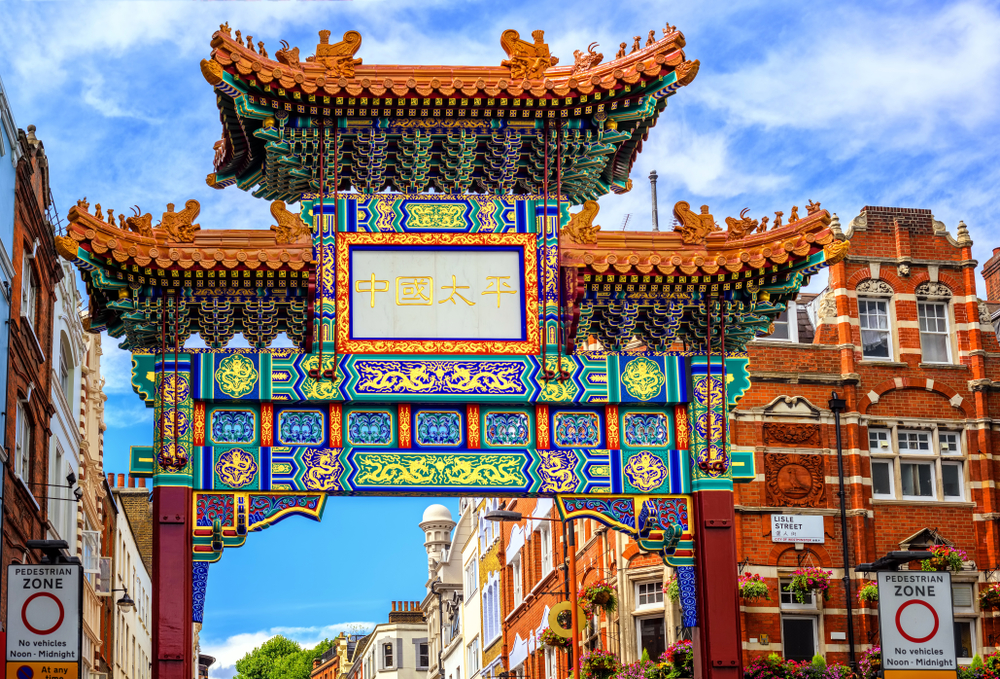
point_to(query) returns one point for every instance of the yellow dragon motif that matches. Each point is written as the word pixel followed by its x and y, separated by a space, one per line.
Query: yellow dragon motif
pixel 236 375
pixel 236 468
pixel 557 471
pixel 324 469
pixel 646 471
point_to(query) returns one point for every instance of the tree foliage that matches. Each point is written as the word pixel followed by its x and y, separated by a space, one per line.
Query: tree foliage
pixel 280 658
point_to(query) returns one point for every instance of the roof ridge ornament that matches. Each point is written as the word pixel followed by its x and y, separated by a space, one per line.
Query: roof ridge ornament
pixel 338 57
pixel 179 225
pixel 585 62
pixel 581 228
pixel 527 61
pixel 693 227
pixel 290 227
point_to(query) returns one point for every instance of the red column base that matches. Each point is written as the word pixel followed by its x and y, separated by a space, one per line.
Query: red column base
pixel 718 648
pixel 173 652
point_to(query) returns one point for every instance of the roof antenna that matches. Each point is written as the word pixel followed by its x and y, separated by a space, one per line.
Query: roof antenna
pixel 625 220
pixel 652 186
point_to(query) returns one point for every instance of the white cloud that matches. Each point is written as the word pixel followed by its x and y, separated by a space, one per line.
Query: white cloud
pixel 228 651
pixel 869 76
pixel 116 366
pixel 120 416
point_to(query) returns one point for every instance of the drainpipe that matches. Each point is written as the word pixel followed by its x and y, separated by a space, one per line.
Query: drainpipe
pixel 435 590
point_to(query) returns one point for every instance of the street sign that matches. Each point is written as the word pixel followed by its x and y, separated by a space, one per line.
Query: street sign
pixel 916 621
pixel 796 528
pixel 44 615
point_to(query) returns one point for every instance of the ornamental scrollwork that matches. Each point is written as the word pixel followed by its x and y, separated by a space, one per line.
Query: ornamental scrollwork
pixel 301 427
pixel 874 286
pixel 791 434
pixel 577 430
pixel 646 429
pixel 369 428
pixel 441 377
pixel 932 289
pixel 233 426
pixel 507 429
pixel 439 470
pixel 436 428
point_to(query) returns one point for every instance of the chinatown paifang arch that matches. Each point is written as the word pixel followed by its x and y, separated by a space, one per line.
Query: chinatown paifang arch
pixel 463 334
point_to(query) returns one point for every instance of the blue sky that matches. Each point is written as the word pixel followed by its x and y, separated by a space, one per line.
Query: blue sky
pixel 843 102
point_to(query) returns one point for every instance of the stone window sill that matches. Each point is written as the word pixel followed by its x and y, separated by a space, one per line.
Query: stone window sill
pixel 925 503
pixel 945 366
pixel 883 364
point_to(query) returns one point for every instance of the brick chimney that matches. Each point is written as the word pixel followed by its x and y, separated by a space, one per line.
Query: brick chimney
pixel 406 611
pixel 991 272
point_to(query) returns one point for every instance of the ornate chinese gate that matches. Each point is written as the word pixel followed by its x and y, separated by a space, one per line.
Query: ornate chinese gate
pixel 447 343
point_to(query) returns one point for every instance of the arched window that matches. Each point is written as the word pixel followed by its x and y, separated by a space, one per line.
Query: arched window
pixel 29 288
pixel 65 368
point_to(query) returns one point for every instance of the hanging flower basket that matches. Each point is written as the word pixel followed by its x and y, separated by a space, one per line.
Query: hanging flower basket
pixel 868 594
pixel 944 558
pixel 672 589
pixel 808 580
pixel 599 664
pixel 989 597
pixel 599 595
pixel 678 660
pixel 753 588
pixel 550 638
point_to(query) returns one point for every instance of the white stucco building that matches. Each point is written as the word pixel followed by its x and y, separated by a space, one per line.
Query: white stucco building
pixel 133 646
pixel 68 350
pixel 444 591
pixel 397 649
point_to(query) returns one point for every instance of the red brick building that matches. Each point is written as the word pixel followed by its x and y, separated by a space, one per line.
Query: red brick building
pixel 533 559
pixel 901 335
pixel 26 439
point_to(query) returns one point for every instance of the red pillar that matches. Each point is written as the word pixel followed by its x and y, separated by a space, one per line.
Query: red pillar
pixel 717 639
pixel 172 629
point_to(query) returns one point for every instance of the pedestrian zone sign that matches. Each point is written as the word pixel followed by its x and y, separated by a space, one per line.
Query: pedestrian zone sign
pixel 916 623
pixel 44 615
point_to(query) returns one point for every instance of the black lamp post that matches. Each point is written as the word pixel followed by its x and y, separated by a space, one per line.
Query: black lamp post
pixel 839 405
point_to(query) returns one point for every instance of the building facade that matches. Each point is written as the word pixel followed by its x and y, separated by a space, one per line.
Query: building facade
pixel 442 605
pixel 397 649
pixel 336 660
pixel 535 579
pixel 900 334
pixel 133 645
pixel 30 365
pixel 10 155
pixel 88 538
pixel 68 395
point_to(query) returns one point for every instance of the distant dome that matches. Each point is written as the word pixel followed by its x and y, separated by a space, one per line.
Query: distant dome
pixel 436 513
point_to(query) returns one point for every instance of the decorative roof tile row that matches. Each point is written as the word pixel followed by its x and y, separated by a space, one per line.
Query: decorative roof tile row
pixel 332 77
pixel 208 249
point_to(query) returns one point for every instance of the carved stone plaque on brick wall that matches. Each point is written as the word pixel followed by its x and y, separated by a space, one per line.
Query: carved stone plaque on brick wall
pixel 791 435
pixel 794 480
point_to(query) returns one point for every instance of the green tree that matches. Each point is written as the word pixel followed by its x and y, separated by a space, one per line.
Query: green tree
pixel 299 665
pixel 260 662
